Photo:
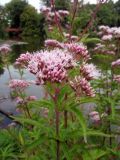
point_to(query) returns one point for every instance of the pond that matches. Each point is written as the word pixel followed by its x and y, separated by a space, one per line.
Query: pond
pixel 7 104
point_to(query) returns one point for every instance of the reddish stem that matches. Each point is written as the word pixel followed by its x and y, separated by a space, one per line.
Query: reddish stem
pixel 57 22
pixel 57 134
pixel 93 16
pixel 57 122
pixel 65 114
pixel 65 118
pixel 73 17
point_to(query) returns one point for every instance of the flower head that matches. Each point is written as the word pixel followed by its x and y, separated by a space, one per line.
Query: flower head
pixel 103 28
pixel 31 98
pixel 18 84
pixel 78 49
pixel 94 117
pixel 53 43
pixel 63 13
pixel 5 49
pixel 89 71
pixel 117 78
pixel 45 10
pixel 23 60
pixel 109 33
pixel 25 100
pixel 50 65
pixel 82 86
pixel 107 37
pixel 102 49
pixel 116 63
pixel 19 100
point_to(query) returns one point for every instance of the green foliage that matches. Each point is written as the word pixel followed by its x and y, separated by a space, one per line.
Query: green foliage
pixel 81 20
pixel 61 4
pixel 94 154
pixel 106 15
pixel 61 119
pixel 4 22
pixel 37 134
pixel 55 34
pixel 117 10
pixel 29 21
pixel 15 8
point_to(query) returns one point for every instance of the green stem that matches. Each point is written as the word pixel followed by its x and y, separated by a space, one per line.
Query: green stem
pixel 65 118
pixel 28 112
pixel 9 71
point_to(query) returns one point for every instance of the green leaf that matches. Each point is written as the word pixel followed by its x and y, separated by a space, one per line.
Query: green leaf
pixel 111 104
pixel 64 90
pixel 36 143
pixel 82 121
pixel 28 121
pixel 84 37
pixel 94 154
pixel 42 103
pixel 87 100
pixel 21 139
pixel 91 40
pixel 66 152
pixel 115 151
pixel 98 133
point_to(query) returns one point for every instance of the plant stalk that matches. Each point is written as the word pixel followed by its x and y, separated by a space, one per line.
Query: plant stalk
pixel 65 118
pixel 9 71
pixel 57 133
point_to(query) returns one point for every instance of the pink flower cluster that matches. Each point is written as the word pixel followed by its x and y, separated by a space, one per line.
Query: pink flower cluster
pixel 32 98
pixel 94 117
pixel 82 87
pixel 50 15
pixel 5 49
pixel 53 43
pixel 117 78
pixel 45 10
pixel 23 60
pixel 50 65
pixel 22 101
pixel 107 37
pixel 109 32
pixel 48 12
pixel 18 84
pixel 116 63
pixel 63 13
pixel 71 37
pixel 89 71
pixel 79 49
pixel 105 50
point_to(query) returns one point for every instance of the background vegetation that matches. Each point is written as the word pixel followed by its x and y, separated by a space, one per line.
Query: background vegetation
pixel 19 14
